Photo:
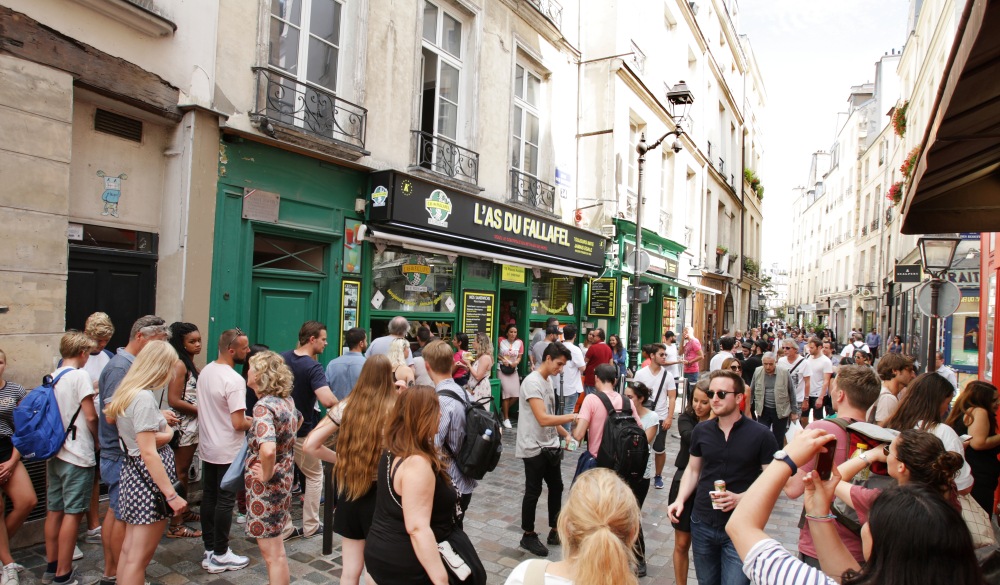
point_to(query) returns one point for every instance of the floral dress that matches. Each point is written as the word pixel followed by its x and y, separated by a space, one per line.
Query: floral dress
pixel 188 424
pixel 275 420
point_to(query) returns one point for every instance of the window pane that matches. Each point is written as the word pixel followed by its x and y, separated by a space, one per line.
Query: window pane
pixel 452 36
pixel 530 160
pixel 430 22
pixel 448 120
pixel 517 123
pixel 412 281
pixel 533 90
pixel 519 81
pixel 283 50
pixel 531 129
pixel 449 83
pixel 290 10
pixel 322 66
pixel 324 20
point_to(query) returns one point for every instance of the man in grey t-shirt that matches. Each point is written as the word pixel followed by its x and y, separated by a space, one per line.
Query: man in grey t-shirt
pixel 551 334
pixel 538 433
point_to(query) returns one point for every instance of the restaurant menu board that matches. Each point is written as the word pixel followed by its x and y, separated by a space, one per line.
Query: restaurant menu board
pixel 601 302
pixel 477 316
pixel 349 307
pixel 669 314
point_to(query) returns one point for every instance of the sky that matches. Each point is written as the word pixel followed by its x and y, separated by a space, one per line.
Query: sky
pixel 810 53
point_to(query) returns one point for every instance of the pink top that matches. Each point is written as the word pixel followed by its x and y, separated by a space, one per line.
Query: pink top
pixel 862 499
pixel 221 392
pixel 692 347
pixel 594 411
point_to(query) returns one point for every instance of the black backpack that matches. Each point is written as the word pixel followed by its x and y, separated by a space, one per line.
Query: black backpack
pixel 479 454
pixel 624 447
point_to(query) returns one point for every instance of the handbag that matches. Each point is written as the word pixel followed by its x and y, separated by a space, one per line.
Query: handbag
pixel 233 480
pixel 506 369
pixel 978 522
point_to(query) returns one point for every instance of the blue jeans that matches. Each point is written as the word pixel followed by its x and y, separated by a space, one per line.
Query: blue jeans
pixel 692 379
pixel 715 558
pixel 568 406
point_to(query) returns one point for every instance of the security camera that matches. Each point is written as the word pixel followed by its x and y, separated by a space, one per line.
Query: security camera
pixel 677 147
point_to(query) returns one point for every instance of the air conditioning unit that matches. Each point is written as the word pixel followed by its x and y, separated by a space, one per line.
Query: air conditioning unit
pixel 609 230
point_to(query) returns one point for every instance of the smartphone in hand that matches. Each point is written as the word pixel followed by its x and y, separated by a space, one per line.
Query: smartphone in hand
pixel 824 461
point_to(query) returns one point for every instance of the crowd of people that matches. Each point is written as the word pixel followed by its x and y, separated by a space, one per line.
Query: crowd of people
pixel 390 416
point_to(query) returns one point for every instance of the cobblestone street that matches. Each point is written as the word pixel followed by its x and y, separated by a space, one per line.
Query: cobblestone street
pixel 493 523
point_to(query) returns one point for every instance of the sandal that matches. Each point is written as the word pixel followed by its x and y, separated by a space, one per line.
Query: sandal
pixel 182 531
pixel 190 516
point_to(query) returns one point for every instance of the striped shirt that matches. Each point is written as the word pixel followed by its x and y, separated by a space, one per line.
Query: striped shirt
pixel 768 563
pixel 451 432
pixel 10 395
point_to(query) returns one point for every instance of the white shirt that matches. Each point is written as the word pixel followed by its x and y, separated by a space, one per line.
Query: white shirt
pixel 572 374
pixel 73 388
pixel 518 575
pixel 716 363
pixel 818 366
pixel 850 348
pixel 652 381
pixel 949 374
pixel 798 376
pixel 672 356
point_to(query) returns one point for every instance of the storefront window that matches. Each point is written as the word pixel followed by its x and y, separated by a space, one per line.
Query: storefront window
pixel 479 269
pixel 965 332
pixel 991 310
pixel 409 282
pixel 553 295
pixel 669 315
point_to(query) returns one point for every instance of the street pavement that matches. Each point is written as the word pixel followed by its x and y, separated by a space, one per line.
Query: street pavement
pixel 492 522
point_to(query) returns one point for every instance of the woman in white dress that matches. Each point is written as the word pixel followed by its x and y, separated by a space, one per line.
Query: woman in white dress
pixel 511 352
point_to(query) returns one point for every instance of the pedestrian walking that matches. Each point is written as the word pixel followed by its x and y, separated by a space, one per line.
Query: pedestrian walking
pixel 874 341
pixel 568 384
pixel 398 328
pixel 511 351
pixel 820 372
pixel 772 397
pixel 149 472
pixel 14 480
pixel 795 365
pixel 223 423
pixel 693 355
pixel 973 414
pixel 698 410
pixel 661 384
pixel 597 353
pixel 538 434
pixel 599 526
pixel 360 422
pixel 270 457
pixel 479 376
pixel 99 328
pixel 618 352
pixel 182 397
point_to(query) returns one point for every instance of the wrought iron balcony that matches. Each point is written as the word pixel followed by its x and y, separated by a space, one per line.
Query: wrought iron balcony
pixel 864 230
pixel 530 192
pixel 874 224
pixel 285 101
pixel 550 9
pixel 444 157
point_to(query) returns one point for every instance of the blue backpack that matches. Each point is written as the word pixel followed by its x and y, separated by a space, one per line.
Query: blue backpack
pixel 38 429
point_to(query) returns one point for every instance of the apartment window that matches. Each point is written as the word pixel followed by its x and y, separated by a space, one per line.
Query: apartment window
pixel 867 161
pixel 527 94
pixel 305 40
pixel 442 70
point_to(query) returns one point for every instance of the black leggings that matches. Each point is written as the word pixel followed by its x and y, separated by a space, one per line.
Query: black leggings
pixel 640 488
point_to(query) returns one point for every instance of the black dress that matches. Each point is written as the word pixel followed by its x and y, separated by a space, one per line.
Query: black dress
pixel 389 554
pixel 985 468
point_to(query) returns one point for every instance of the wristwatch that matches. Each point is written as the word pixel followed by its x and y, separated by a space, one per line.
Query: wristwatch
pixel 780 455
pixel 864 457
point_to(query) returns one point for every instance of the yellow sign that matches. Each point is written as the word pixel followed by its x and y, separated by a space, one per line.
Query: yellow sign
pixel 512 274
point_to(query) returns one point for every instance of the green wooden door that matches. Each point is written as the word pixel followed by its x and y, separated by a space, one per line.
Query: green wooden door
pixel 279 305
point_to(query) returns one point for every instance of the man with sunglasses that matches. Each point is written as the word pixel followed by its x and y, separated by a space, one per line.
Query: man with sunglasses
pixel 731 448
pixel 663 390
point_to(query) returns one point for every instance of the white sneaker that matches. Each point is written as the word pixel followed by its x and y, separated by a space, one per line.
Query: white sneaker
pixel 227 562
pixel 9 575
pixel 93 536
pixel 18 567
pixel 204 561
pixel 241 518
pixel 77 553
pixel 506 423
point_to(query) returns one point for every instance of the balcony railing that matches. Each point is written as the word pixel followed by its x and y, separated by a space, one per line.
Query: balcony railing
pixel 530 192
pixel 874 224
pixel 444 157
pixel 864 230
pixel 285 101
pixel 888 216
pixel 550 9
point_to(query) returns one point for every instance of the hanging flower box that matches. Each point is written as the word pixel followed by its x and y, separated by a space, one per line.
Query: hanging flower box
pixel 910 163
pixel 895 193
pixel 899 119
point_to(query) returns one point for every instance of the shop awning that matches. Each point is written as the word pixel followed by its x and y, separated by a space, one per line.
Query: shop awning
pixel 376 234
pixel 699 288
pixel 956 185
pixel 664 279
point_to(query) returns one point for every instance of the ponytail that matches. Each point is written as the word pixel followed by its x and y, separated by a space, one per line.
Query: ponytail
pixel 603 559
pixel 928 461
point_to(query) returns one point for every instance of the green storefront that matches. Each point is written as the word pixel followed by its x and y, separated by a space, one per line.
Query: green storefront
pixel 285 251
pixel 461 263
pixel 665 309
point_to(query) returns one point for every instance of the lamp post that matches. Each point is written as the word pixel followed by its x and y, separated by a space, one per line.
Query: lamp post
pixel 680 99
pixel 936 255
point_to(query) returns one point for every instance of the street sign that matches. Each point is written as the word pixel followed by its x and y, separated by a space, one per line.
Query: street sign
pixel 907 273
pixel 631 260
pixel 949 297
pixel 638 293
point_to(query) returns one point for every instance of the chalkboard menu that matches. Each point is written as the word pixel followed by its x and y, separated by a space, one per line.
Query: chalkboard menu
pixel 602 297
pixel 477 316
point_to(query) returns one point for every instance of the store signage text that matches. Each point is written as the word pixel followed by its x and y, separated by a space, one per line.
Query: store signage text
pixel 519 225
pixel 964 278
pixel 512 273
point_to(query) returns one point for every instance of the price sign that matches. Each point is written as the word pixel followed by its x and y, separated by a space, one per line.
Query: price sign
pixel 601 302
pixel 477 312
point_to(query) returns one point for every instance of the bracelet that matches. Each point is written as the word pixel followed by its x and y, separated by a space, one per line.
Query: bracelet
pixel 827 518
pixel 172 498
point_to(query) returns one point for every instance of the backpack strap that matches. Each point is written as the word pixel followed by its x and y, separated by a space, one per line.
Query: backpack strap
pixel 534 574
pixel 453 395
pixel 663 378
pixel 71 429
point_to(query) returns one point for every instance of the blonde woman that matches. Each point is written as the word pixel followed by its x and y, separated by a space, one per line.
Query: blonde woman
pixel 399 350
pixel 270 456
pixel 479 381
pixel 149 468
pixel 598 528
pixel 361 422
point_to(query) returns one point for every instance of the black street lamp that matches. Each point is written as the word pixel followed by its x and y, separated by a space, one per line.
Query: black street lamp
pixel 680 98
pixel 936 255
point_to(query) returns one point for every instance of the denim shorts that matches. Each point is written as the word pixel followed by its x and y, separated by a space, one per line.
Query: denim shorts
pixel 111 475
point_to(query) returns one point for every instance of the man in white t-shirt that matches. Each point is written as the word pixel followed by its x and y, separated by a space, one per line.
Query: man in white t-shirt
pixel 222 424
pixel 674 362
pixel 797 370
pixel 569 384
pixel 725 352
pixel 856 344
pixel 663 393
pixel 820 372
pixel 71 472
pixel 943 370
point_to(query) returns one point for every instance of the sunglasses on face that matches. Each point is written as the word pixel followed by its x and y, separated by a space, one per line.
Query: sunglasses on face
pixel 720 393
pixel 735 367
pixel 885 449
